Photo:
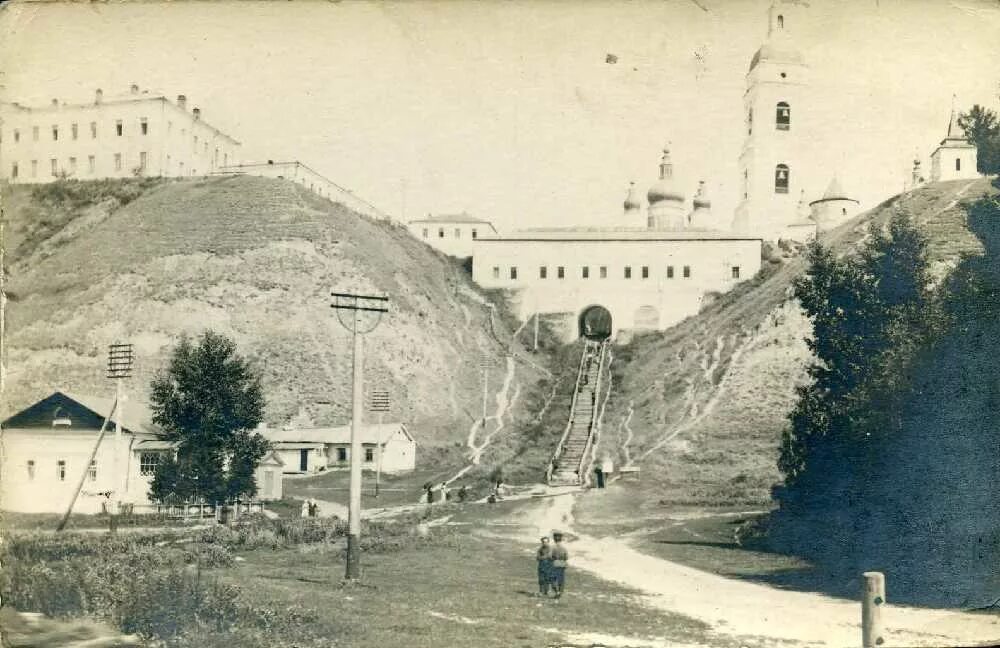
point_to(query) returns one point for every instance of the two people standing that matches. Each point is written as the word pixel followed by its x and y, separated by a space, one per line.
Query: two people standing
pixel 552 561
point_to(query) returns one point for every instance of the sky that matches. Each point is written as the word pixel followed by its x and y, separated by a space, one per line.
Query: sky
pixel 509 111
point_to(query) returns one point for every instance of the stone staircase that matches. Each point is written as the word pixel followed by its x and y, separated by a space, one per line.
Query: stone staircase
pixel 568 461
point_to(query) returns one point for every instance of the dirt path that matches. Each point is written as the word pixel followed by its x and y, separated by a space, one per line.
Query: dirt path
pixel 745 609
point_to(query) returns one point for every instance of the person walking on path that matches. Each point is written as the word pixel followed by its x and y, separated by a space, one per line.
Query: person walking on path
pixel 560 558
pixel 544 558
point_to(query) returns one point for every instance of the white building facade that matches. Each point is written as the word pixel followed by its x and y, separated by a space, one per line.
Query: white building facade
pixel 137 134
pixel 955 158
pixel 312 450
pixel 451 234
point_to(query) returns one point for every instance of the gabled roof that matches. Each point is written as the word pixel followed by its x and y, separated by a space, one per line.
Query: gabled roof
pixel 452 218
pixel 88 410
pixel 340 434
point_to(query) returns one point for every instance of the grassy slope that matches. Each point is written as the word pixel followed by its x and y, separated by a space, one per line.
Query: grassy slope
pixel 724 380
pixel 255 259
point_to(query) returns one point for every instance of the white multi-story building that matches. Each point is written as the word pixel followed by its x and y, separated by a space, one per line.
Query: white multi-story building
pixel 138 134
pixel 451 234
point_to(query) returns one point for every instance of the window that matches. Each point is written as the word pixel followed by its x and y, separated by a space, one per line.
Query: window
pixel 34 133
pixel 543 272
pixel 55 166
pixel 72 165
pixel 92 470
pixel 17 136
pixel 143 126
pixel 687 272
pixel 496 272
pixel 513 272
pixel 55 133
pixel 585 272
pixel 781 179
pixel 118 161
pixel 958 164
pixel 93 130
pixel 645 272
pixel 475 234
pixel 91 164
pixel 736 272
pixel 843 211
pixel 148 461
pixel 628 272
pixel 119 128
pixel 783 116
pixel 74 130
pixel 440 232
pixel 195 143
pixel 61 470
pixel 458 232
pixel 142 160
pixel 670 272
pixel 781 22
pixel 225 162
pixel 13 171
pixel 34 168
pixel 561 272
pixel 369 454
pixel 425 232
pixel 31 469
pixel 341 454
pixel 604 272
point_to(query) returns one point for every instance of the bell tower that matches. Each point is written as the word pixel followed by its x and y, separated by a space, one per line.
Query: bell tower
pixel 776 129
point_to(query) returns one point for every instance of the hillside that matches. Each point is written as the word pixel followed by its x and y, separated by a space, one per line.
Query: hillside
pixel 255 259
pixel 701 408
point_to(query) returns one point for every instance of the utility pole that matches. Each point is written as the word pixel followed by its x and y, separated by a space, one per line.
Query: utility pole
pixel 379 403
pixel 357 305
pixel 120 359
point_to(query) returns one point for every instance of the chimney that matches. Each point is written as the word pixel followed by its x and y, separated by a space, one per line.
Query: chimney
pixel 134 89
pixel 197 113
pixel 182 102
pixel 98 96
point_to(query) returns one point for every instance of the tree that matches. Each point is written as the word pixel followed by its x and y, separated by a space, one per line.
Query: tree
pixel 208 401
pixel 983 129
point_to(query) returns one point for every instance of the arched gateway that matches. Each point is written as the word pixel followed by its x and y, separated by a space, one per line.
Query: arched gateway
pixel 595 323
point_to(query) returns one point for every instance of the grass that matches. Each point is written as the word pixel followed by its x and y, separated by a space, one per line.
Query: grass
pixel 10 521
pixel 394 489
pixel 477 591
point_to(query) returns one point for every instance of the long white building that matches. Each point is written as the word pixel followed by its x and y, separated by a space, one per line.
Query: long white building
pixel 136 134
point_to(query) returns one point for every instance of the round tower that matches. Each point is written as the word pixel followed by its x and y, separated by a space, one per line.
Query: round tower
pixel 666 200
pixel 834 208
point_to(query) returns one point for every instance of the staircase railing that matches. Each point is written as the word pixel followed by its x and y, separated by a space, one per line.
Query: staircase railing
pixel 572 413
pixel 592 428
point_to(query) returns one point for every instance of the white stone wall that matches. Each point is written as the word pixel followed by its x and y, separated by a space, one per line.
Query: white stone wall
pixel 454 238
pixel 176 143
pixel 828 214
pixel 656 298
pixel 943 163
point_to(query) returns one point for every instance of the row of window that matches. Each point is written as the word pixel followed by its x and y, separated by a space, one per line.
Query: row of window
pixel 602 272
pixel 61 470
pixel 15 169
pixel 369 454
pixel 458 232
pixel 119 132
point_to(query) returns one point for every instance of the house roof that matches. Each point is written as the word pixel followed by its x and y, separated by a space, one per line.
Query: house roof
pixel 90 411
pixel 371 433
pixel 452 218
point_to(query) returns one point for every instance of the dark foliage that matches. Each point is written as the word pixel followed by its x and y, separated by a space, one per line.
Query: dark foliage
pixel 983 129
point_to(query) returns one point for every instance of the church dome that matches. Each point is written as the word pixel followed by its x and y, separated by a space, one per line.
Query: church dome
pixel 777 51
pixel 665 188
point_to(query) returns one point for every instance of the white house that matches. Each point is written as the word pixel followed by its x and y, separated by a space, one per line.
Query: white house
pixel 46 448
pixel 310 450
pixel 452 234
pixel 139 133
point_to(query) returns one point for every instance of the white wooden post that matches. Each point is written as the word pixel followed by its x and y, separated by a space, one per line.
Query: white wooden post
pixel 873 598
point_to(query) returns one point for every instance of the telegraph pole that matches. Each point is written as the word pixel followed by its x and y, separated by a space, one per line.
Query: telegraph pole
pixel 120 359
pixel 379 403
pixel 357 305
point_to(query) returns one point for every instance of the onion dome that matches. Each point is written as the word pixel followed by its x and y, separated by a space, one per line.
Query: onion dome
pixel 665 188
pixel 701 199
pixel 632 199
